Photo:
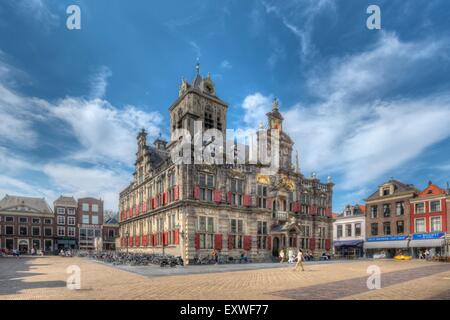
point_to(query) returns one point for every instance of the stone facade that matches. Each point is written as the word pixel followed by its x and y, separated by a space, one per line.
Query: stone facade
pixel 189 209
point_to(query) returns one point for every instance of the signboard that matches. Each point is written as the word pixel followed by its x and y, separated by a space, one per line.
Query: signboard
pixel 425 236
pixel 388 238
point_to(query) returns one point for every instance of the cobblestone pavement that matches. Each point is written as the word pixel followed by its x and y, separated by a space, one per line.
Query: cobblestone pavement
pixel 45 278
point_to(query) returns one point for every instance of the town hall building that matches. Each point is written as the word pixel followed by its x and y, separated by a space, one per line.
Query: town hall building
pixel 188 210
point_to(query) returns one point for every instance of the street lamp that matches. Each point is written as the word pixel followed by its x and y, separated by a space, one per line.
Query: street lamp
pixel 127 235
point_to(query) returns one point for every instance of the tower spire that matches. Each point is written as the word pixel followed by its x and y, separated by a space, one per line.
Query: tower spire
pixel 297 166
pixel 197 66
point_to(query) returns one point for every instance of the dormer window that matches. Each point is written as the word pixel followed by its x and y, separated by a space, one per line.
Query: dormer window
pixel 386 191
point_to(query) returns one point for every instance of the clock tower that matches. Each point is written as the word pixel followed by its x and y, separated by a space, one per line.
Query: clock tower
pixel 275 120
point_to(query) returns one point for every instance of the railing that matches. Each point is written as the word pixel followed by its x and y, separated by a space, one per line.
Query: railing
pixel 281 215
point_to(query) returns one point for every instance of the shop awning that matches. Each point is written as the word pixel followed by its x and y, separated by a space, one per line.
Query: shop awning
pixel 386 244
pixel 348 243
pixel 428 243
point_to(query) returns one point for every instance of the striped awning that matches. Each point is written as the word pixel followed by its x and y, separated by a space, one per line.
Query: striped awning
pixel 386 244
pixel 427 243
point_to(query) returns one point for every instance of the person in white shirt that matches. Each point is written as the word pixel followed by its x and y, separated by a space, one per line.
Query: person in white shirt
pixel 299 261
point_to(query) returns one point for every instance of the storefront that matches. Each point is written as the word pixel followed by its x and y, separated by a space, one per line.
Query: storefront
pixel 348 249
pixel 66 243
pixel 387 246
pixel 433 242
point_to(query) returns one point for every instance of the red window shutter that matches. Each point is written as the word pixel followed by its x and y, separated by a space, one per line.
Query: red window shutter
pixel 197 192
pixel 217 196
pixel 269 203
pixel 145 207
pixel 130 241
pixel 327 244
pixel 247 200
pixel 229 197
pixel 165 238
pixel 218 241
pixel 269 243
pixel 176 193
pixel 230 242
pixel 247 243
pixel 296 206
pixel 165 198
pixel 154 240
pixel 312 244
pixel 197 241
pixel 176 236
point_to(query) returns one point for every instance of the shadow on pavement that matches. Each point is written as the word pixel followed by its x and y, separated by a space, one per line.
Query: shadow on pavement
pixel 15 274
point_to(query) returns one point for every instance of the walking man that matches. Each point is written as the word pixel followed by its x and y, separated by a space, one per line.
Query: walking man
pixel 299 260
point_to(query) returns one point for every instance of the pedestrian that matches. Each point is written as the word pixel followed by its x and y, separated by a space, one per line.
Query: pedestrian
pixel 291 256
pixel 281 255
pixel 215 256
pixel 427 254
pixel 299 261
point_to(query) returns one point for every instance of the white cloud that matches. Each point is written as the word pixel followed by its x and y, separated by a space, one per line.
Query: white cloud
pixel 225 64
pixel 299 18
pixel 39 11
pixel 357 130
pixel 196 48
pixel 256 106
pixel 106 134
pixel 82 182
pixel 99 82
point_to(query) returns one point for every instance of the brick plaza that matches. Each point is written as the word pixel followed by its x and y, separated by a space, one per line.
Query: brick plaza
pixel 45 278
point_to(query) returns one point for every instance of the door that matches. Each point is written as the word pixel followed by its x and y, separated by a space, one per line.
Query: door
pixel 23 246
pixel 276 246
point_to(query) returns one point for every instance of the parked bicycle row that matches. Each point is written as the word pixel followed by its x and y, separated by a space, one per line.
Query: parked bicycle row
pixel 133 259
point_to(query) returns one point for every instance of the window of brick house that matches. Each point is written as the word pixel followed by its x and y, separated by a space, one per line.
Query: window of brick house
pixel 420 225
pixel 9 219
pixel 386 210
pixel 374 229
pixel 400 208
pixel 48 232
pixel 348 230
pixel 387 228
pixel 420 208
pixel 23 230
pixel 373 212
pixel 36 231
pixel 400 227
pixel 9 230
pixel 435 224
pixel 23 220
pixel 60 210
pixel 435 206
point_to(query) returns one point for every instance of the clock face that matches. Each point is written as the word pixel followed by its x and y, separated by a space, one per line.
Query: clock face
pixel 209 88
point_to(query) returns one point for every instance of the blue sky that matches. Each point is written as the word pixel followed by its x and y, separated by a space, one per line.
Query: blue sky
pixel 361 105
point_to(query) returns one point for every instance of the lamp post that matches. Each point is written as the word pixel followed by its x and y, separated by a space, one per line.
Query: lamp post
pixel 127 235
pixel 182 234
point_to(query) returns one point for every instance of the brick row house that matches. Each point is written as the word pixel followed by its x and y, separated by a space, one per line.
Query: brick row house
pixel 401 218
pixel 189 209
pixel 26 223
pixel 65 209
